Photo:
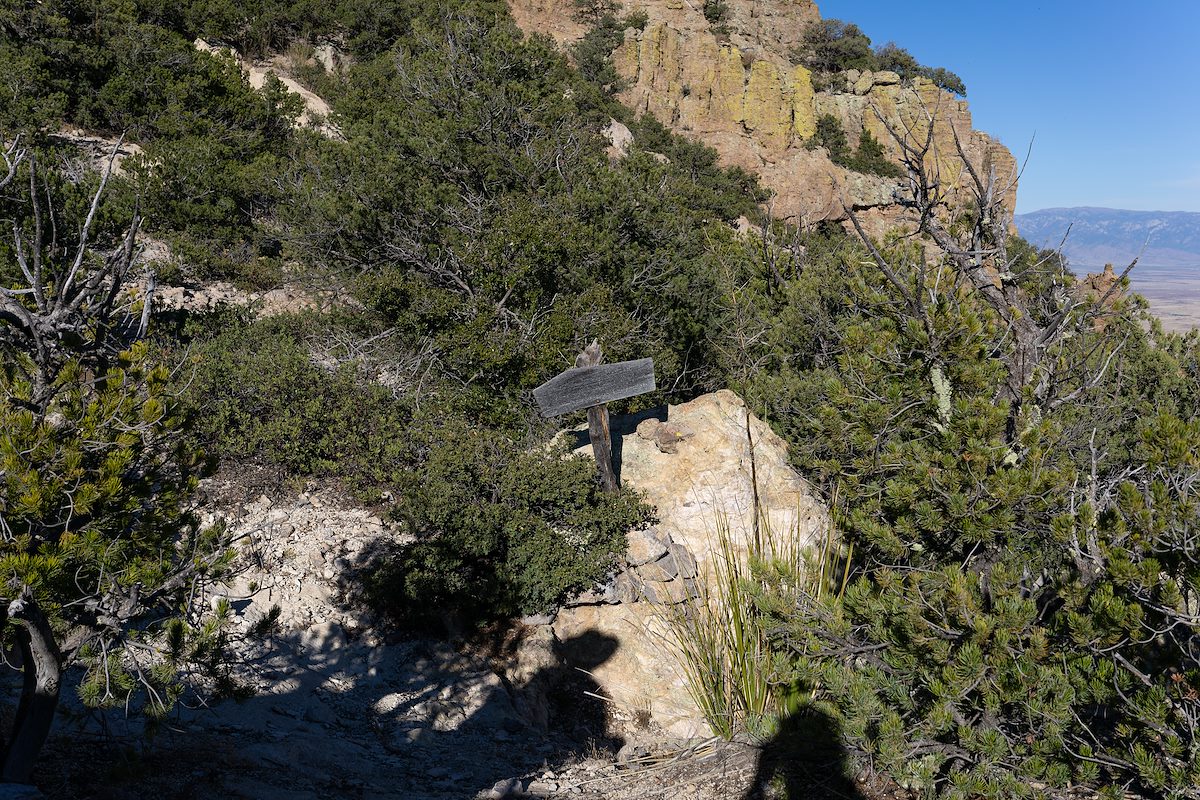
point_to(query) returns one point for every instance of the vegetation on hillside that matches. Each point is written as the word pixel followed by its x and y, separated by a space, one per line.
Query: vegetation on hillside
pixel 830 46
pixel 1016 468
pixel 868 157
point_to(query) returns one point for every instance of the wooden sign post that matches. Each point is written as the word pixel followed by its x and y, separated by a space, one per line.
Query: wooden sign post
pixel 591 385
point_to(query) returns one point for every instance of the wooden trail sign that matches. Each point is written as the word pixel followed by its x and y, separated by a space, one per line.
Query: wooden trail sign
pixel 584 387
pixel 590 384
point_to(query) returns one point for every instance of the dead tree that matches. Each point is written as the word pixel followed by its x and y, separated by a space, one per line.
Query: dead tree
pixel 74 303
pixel 63 323
pixel 973 234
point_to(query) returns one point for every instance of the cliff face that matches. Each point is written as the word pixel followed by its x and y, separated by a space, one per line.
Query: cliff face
pixel 734 87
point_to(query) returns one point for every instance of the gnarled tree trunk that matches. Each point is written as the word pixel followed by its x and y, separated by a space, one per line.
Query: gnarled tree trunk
pixel 42 665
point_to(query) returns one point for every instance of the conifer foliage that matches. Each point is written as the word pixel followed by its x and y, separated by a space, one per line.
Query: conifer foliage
pixel 1017 467
pixel 97 552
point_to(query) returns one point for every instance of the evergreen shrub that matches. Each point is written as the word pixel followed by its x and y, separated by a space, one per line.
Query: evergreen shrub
pixel 1023 605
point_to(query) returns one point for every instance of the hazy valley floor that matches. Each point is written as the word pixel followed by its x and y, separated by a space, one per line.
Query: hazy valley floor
pixel 1173 292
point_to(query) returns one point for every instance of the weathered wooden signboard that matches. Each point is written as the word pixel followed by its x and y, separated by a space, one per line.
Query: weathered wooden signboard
pixel 584 387
pixel 590 384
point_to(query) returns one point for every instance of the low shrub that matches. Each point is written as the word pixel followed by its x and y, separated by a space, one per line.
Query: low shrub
pixel 499 529
pixel 260 399
pixel 868 158
pixel 830 46
pixel 498 525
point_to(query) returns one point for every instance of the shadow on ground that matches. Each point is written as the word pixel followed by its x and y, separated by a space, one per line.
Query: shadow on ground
pixel 332 717
pixel 805 760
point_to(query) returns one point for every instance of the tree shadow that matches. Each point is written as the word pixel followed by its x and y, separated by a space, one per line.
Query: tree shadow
pixel 410 719
pixel 805 760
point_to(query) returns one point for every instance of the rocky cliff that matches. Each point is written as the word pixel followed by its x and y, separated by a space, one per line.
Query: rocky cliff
pixel 734 86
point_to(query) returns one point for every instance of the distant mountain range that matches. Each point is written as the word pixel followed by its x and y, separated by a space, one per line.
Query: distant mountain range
pixel 1108 235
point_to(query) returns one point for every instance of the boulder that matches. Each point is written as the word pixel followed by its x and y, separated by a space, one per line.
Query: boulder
pixel 701 479
pixel 864 84
pixel 620 139
pixel 645 546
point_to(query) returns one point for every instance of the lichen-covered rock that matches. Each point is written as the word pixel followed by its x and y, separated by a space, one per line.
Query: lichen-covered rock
pixel 694 82
pixel 864 84
pixel 733 86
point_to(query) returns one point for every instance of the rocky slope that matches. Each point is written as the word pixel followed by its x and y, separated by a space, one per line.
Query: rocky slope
pixel 546 708
pixel 733 85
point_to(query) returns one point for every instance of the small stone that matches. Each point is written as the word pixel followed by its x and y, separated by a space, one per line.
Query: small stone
pixel 661 570
pixel 509 787
pixel 645 546
pixel 682 562
pixel 648 427
pixel 666 437
pixel 626 589
pixel 665 592
pixel 632 752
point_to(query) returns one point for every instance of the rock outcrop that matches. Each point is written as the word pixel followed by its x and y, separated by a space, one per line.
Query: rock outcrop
pixel 694 464
pixel 733 86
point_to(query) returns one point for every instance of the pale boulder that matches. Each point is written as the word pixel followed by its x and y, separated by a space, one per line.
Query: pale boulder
pixel 694 482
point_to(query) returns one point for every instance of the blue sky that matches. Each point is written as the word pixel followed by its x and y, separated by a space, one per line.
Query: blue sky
pixel 1108 92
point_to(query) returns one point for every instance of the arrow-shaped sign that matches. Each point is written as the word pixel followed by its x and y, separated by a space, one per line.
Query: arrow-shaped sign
pixel 590 384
